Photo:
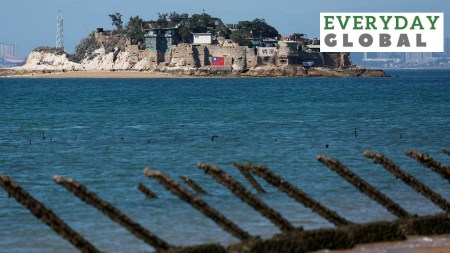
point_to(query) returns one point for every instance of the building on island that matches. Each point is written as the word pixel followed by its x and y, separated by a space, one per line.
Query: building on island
pixel 203 38
pixel 161 39
pixel 162 48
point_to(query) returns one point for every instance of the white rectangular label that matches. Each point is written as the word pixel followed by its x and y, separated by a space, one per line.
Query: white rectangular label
pixel 266 51
pixel 381 32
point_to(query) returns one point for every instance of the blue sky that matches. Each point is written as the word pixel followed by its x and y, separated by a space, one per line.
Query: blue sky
pixel 32 23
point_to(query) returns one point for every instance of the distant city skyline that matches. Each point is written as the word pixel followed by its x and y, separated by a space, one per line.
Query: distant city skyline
pixel 29 23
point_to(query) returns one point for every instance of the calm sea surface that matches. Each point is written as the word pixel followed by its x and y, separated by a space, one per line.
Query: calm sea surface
pixel 104 132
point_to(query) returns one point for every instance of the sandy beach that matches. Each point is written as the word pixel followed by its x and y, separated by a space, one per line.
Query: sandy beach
pixel 269 72
pixel 100 74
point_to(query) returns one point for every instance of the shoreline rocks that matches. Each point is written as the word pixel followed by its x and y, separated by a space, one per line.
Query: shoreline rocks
pixel 47 63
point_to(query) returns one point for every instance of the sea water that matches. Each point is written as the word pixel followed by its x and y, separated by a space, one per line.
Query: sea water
pixel 104 132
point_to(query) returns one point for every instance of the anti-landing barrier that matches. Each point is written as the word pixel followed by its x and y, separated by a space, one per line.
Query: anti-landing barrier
pixel 346 233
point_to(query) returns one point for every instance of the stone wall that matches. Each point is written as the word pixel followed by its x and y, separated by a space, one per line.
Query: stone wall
pixel 239 58
pixel 106 37
pixel 315 57
pixel 132 49
pixel 250 57
pixel 153 59
pixel 200 55
pixel 328 60
pixel 236 58
pixel 182 56
pixel 287 56
pixel 135 54
pixel 336 60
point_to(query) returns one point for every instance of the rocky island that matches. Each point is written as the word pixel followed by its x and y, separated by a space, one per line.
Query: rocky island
pixel 177 45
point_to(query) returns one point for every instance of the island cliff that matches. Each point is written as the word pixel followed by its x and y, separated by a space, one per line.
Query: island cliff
pixel 164 50
pixel 196 61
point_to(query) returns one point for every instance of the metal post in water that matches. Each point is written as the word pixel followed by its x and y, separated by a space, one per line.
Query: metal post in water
pixel 198 204
pixel 426 160
pixel 249 177
pixel 293 192
pixel 193 185
pixel 46 215
pixel 113 213
pixel 225 179
pixel 363 186
pixel 147 192
pixel 410 180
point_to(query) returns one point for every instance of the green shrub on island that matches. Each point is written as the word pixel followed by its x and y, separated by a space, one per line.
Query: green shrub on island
pixel 133 31
pixel 50 50
pixel 244 32
pixel 85 49
pixel 253 30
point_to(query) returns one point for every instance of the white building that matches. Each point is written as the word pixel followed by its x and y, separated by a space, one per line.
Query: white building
pixel 202 38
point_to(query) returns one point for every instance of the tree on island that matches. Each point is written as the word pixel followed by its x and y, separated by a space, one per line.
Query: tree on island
pixel 162 21
pixel 245 32
pixel 134 30
pixel 51 50
pixel 177 20
pixel 116 20
pixel 202 23
pixel 85 49
pixel 253 30
pixel 169 20
pixel 197 23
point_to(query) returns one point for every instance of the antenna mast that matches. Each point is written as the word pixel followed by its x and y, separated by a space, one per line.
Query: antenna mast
pixel 59 31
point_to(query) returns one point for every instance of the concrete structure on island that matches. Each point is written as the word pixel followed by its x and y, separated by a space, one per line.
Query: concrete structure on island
pixel 161 39
pixel 164 50
pixel 203 38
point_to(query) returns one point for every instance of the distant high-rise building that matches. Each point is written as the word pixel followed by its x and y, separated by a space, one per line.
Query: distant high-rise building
pixel 9 55
pixel 7 49
pixel 417 58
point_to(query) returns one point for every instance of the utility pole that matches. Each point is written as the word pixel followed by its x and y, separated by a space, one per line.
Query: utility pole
pixel 59 31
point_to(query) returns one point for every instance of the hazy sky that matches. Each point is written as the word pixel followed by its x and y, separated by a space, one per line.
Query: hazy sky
pixel 32 23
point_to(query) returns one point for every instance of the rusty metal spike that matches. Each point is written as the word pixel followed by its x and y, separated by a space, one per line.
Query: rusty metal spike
pixel 116 215
pixel 198 204
pixel 46 215
pixel 147 192
pixel 409 179
pixel 426 160
pixel 294 193
pixel 225 179
pixel 249 177
pixel 363 186
pixel 193 185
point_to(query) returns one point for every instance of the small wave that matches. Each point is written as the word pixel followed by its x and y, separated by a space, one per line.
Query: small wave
pixel 136 126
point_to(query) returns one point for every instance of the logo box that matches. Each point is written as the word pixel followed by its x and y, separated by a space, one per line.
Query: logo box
pixel 381 32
